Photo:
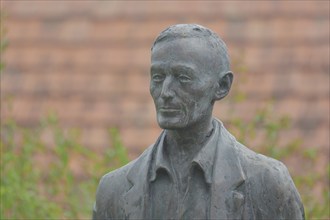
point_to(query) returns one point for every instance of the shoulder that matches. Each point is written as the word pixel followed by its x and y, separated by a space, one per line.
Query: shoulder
pixel 262 169
pixel 115 181
pixel 270 185
pixel 113 186
pixel 258 167
pixel 255 164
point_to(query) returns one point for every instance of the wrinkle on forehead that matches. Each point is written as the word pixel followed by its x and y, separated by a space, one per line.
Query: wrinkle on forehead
pixel 173 65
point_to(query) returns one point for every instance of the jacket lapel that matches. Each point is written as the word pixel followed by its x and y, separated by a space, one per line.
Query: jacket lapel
pixel 137 197
pixel 134 198
pixel 227 200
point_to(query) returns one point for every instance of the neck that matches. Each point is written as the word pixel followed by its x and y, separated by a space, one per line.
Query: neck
pixel 185 143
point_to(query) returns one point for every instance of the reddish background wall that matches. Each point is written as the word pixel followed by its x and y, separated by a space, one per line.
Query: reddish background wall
pixel 89 62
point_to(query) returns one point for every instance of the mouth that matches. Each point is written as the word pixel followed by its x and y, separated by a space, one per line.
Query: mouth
pixel 168 110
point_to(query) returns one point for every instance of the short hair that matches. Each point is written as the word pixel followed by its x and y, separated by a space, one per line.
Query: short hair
pixel 180 31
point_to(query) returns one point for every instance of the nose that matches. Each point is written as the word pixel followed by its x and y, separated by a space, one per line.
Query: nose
pixel 167 88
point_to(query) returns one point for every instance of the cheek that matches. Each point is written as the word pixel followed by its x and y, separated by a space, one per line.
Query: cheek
pixel 204 95
pixel 154 91
pixel 201 102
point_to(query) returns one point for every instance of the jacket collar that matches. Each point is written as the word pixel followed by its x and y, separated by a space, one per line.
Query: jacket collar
pixel 227 174
pixel 206 156
pixel 160 160
pixel 227 196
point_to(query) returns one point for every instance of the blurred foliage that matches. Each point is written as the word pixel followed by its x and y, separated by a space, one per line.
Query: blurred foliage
pixel 38 177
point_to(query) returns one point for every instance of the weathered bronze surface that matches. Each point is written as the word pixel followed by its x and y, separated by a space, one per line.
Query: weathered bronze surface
pixel 196 169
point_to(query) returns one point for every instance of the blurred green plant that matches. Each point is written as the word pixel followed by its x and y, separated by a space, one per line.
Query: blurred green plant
pixel 38 179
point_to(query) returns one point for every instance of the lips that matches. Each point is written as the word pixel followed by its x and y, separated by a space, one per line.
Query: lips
pixel 169 109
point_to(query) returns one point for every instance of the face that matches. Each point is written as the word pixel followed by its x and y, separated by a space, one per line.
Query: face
pixel 182 82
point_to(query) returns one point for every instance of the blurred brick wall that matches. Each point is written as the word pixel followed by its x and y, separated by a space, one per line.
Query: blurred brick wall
pixel 89 62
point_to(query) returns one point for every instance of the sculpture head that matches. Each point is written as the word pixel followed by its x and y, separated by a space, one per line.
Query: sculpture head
pixel 189 72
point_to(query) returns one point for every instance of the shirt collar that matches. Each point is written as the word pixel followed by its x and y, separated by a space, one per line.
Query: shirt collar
pixel 204 159
pixel 160 160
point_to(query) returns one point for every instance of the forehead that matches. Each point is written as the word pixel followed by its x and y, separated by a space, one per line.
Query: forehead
pixel 187 67
pixel 192 52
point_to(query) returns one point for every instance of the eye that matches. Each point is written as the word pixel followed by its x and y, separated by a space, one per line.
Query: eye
pixel 184 78
pixel 157 77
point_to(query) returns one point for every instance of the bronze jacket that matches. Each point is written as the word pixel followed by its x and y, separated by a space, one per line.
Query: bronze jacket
pixel 245 185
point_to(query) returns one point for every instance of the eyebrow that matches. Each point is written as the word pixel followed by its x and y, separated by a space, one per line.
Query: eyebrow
pixel 156 67
pixel 185 67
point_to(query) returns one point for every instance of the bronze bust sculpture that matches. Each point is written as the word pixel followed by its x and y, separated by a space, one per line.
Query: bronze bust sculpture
pixel 196 169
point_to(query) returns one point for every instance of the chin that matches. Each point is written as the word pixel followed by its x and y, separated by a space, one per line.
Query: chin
pixel 170 124
pixel 170 127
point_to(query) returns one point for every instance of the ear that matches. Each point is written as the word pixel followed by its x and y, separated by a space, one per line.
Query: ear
pixel 224 85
